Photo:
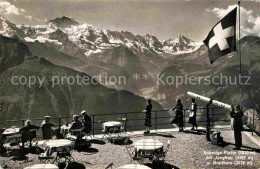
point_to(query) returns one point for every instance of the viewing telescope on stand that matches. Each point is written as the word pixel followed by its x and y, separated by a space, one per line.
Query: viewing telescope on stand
pixel 209 102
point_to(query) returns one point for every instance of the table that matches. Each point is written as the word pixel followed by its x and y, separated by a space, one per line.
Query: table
pixel 148 144
pixel 147 148
pixel 42 166
pixel 134 166
pixel 111 124
pixel 11 131
pixel 12 134
pixel 55 145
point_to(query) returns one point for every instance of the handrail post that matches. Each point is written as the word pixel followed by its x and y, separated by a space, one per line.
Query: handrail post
pixel 125 122
pixel 208 122
pixel 184 114
pixel 253 123
pixel 155 125
pixel 212 116
pixel 93 125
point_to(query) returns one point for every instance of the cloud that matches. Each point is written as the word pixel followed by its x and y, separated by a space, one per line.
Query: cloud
pixel 250 23
pixel 29 17
pixel 7 8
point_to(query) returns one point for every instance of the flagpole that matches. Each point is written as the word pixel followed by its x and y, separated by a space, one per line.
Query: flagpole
pixel 239 52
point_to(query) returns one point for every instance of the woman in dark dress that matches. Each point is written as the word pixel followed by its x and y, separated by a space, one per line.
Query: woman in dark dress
pixel 193 111
pixel 148 115
pixel 178 115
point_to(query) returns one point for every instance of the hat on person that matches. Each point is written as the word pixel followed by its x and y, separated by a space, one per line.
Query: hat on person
pixel 27 122
pixel 192 99
pixel 75 117
pixel 47 117
pixel 83 112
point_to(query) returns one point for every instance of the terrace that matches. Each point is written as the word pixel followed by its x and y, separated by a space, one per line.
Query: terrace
pixel 188 149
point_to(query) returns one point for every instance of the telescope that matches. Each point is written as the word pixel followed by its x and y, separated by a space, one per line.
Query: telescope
pixel 206 99
pixel 209 102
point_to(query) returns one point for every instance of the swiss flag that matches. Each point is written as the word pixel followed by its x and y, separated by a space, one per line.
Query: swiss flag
pixel 221 40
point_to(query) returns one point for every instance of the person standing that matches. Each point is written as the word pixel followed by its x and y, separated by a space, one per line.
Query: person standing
pixel 193 111
pixel 47 131
pixel 148 112
pixel 238 126
pixel 178 114
pixel 232 109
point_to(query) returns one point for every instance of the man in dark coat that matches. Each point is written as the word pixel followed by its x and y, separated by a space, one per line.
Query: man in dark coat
pixel 178 114
pixel 27 133
pixel 47 131
pixel 238 126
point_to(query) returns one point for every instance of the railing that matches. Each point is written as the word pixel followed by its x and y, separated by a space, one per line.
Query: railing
pixel 253 121
pixel 135 120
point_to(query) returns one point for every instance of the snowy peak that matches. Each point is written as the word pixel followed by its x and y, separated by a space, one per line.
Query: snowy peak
pixel 67 34
pixel 64 22
pixel 9 29
pixel 180 45
pixel 179 39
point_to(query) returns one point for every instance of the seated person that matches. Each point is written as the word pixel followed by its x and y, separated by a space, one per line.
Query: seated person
pixel 2 140
pixel 76 124
pixel 27 135
pixel 47 131
pixel 87 122
pixel 2 137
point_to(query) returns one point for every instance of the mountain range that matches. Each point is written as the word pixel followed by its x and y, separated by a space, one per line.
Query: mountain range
pixel 23 101
pixel 88 49
pixel 84 48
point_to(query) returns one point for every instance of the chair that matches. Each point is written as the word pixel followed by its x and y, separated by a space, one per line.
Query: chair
pixel 161 158
pixel 132 153
pixel 77 138
pixel 64 154
pixel 15 140
pixel 109 166
pixel 43 157
pixel 113 133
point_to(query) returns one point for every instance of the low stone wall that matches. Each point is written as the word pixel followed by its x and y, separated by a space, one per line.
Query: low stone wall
pixel 252 119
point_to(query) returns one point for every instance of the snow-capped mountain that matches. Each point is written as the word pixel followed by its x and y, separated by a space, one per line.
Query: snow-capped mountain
pixel 85 48
pixel 94 40
pixel 180 45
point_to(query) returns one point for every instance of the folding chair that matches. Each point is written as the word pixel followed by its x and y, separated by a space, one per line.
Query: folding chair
pixel 64 154
pixel 43 157
pixel 113 133
pixel 132 153
pixel 161 158
pixel 109 166
pixel 77 138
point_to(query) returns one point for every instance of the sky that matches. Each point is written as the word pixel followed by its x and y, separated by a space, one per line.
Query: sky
pixel 162 18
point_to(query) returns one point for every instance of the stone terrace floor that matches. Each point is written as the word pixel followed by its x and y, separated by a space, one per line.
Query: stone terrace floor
pixel 187 150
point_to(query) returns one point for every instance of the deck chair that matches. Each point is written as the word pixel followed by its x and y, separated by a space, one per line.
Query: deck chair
pixel 132 153
pixel 43 157
pixel 109 166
